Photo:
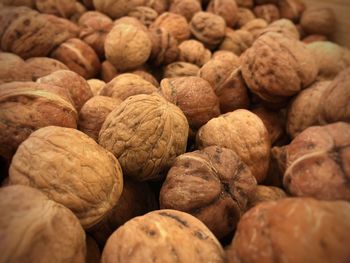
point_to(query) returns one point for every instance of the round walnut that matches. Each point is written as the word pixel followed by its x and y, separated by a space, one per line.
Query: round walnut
pixel 236 41
pixel 291 9
pixel 28 106
pixel 93 114
pixel 255 27
pixel 268 12
pixel 36 229
pixel 144 14
pixel 146 76
pixel 194 96
pixel 213 185
pixel 284 27
pixel 193 51
pixel 79 57
pixel 96 85
pixel 42 66
pixel 126 85
pixel 225 55
pixel 80 9
pixel 131 21
pixel 245 3
pixel 145 133
pixel 159 5
pixel 318 20
pixel 180 69
pixel 264 194
pixel 62 8
pixel 208 28
pixel 108 71
pixel 245 133
pixel 175 24
pixel 71 169
pixel 127 46
pixel 277 67
pixel 186 8
pixel 116 8
pixel 317 163
pixel 13 68
pixel 290 229
pixel 157 236
pixel 227 9
pixel 244 15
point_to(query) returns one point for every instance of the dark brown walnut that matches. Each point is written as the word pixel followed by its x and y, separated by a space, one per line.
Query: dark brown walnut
pixel 28 106
pixel 227 9
pixel 76 85
pixel 284 27
pixel 330 57
pixel 335 99
pixel 264 194
pixel 144 14
pixel 145 133
pixel 213 185
pixel 93 254
pixel 303 111
pixel 245 3
pixel 127 46
pixel 71 169
pixel 288 229
pixel 317 164
pixel 94 28
pixel 243 132
pixel 62 8
pixel 108 71
pixel 263 2
pixel 175 24
pixel 93 114
pixel 208 28
pixel 236 41
pixel 126 85
pixel 244 15
pixel 314 38
pixel 318 20
pixel 291 9
pixel 13 68
pixel 36 229
pixel 163 236
pixel 160 6
pixel 137 199
pixel 116 8
pixel 96 85
pixel 41 66
pixel 277 67
pixel 268 12
pixel 186 8
pixel 255 27
pixel 194 96
pixel 180 69
pixel 164 47
pixel 88 4
pixel 193 51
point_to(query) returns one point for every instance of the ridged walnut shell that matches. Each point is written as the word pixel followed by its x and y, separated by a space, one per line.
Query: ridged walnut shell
pixel 227 9
pixel 236 41
pixel 180 69
pixel 186 8
pixel 41 66
pixel 144 14
pixel 71 169
pixel 268 12
pixel 62 8
pixel 255 27
pixel 264 193
pixel 116 8
pixel 193 51
pixel 284 27
pixel 96 85
pixel 244 15
pixel 318 20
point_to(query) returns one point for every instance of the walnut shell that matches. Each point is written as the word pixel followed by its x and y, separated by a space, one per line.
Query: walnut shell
pixel 74 171
pixel 13 68
pixel 93 114
pixel 227 9
pixel 116 8
pixel 144 14
pixel 62 8
pixel 41 66
pixel 180 69
pixel 236 41
pixel 245 3
pixel 241 131
pixel 26 107
pixel 268 12
pixel 160 6
pixel 156 237
pixel 193 51
pixel 186 8
pixel 194 96
pixel 131 21
pixel 255 27
pixel 318 20
pixel 108 71
pixel 127 46
pixel 317 163
pixel 146 76
pixel 291 228
pixel 96 85
pixel 244 15
pixel 36 229
pixel 145 133
pixel 80 9
pixel 28 3
pixel 212 184
pixel 291 9
pixel 266 193
pixel 284 27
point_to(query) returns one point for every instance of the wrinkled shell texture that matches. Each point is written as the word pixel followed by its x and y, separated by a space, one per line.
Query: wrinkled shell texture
pixel 42 66
pixel 266 193
pixel 289 229
pixel 193 51
pixel 194 96
pixel 63 8
pixel 145 133
pixel 71 169
pixel 127 46
pixel 268 12
pixel 186 8
pixel 26 107
pixel 180 69
pixel 237 41
pixel 157 236
pixel 318 21
pixel 212 184
pixel 244 15
pixel 145 14
pixel 255 27
pixel 116 8
pixel 243 132
pixel 317 163
pixel 276 67
pixel 284 27
pixel 36 229
pixel 227 9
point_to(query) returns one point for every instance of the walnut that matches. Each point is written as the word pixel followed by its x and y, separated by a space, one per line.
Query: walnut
pixel 116 8
pixel 76 85
pixel 41 66
pixel 255 27
pixel 241 131
pixel 277 67
pixel 127 46
pixel 244 15
pixel 108 71
pixel 164 47
pixel 208 28
pixel 227 9
pixel 74 171
pixel 93 114
pixel 265 193
pixel 194 96
pixel 160 6
pixel 94 28
pixel 131 21
pixel 36 229
pixel 93 254
pixel 180 69
pixel 145 14
pixel 80 9
pixel 291 9
pixel 322 227
pixel 175 24
pixel 62 8
pixel 186 8
pixel 236 41
pixel 28 3
pixel 318 20
pixel 157 235
pixel 284 27
pixel 330 57
pixel 194 52
pixel 145 133
pixel 225 55
pixel 146 76
pixel 26 107
pixel 268 12
pixel 314 38
pixel 96 85
pixel 212 184
pixel 245 3
pixel 13 68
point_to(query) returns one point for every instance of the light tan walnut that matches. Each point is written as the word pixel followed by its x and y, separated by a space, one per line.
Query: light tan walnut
pixel 96 85
pixel 116 8
pixel 268 12
pixel 131 21
pixel 244 15
pixel 284 27
pixel 180 69
pixel 160 6
pixel 227 9
pixel 193 51
pixel 264 194
pixel 318 20
pixel 186 8
pixel 255 27
pixel 41 66
pixel 236 41
pixel 145 14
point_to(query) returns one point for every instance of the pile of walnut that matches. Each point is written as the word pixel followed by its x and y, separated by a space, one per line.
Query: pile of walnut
pixel 173 131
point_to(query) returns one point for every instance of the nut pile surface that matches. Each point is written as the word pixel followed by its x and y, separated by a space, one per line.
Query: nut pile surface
pixel 173 131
